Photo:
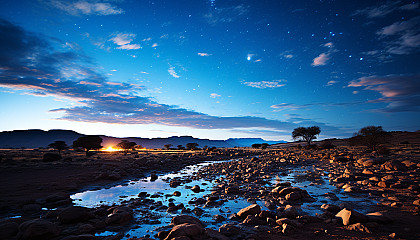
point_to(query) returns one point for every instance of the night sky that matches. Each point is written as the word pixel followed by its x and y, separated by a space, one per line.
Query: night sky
pixel 209 69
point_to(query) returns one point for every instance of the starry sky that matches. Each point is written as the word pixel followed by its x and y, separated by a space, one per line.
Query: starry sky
pixel 209 68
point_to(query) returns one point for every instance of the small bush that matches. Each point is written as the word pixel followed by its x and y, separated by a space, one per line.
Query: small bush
pixel 327 145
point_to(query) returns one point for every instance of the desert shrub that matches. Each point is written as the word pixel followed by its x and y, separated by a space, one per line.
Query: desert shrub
pixel 327 145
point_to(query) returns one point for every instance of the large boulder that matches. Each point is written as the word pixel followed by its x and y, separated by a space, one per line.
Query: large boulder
pixel 73 214
pixel 250 210
pixel 37 229
pixel 351 217
pixel 185 230
pixel 8 229
pixel 186 219
pixel 120 216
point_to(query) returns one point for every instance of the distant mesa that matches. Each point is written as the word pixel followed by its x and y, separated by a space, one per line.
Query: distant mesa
pixel 35 138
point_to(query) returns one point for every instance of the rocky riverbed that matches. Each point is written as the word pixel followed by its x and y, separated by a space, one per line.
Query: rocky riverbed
pixel 341 193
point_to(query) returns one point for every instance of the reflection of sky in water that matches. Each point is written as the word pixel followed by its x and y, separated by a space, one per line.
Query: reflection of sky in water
pixel 297 177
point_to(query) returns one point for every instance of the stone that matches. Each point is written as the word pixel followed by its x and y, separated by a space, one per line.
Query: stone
pixel 120 216
pixel 214 235
pixel 87 228
pixel 230 230
pixel 253 221
pixel 153 177
pixel 31 208
pixel 358 227
pixel 196 189
pixel 290 212
pixel 293 196
pixel 416 202
pixel 378 217
pixel 250 210
pixel 288 229
pixel 73 214
pixel 37 229
pixel 181 219
pixel 393 165
pixel 8 229
pixel 331 208
pixel 185 230
pixel 177 193
pixel 350 217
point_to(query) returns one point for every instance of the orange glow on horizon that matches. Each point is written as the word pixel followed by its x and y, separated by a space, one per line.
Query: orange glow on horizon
pixel 111 149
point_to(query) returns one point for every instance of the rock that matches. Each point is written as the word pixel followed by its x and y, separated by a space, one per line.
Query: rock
pixel 331 208
pixel 232 190
pixel 31 208
pixel 185 230
pixel 350 217
pixel 378 217
pixel 393 165
pixel 153 176
pixel 289 212
pixel 51 157
pixel 416 202
pixel 250 210
pixel 37 229
pixel 288 229
pixel 214 235
pixel 73 215
pixel 293 196
pixel 253 221
pixel 358 227
pixel 177 193
pixel 8 229
pixel 87 228
pixel 219 218
pixel 196 189
pixel 230 230
pixel 120 216
pixel 181 219
pixel 367 172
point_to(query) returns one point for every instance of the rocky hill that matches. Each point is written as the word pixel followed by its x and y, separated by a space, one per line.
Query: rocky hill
pixel 35 138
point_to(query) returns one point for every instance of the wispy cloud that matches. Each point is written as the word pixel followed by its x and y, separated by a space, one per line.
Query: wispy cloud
pixel 380 10
pixel 332 82
pixel 32 65
pixel 172 72
pixel 266 84
pixel 401 92
pixel 215 95
pixel 123 40
pixel 321 60
pixel 204 54
pixel 86 7
pixel 402 37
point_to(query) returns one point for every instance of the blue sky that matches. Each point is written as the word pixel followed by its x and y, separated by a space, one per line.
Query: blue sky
pixel 209 69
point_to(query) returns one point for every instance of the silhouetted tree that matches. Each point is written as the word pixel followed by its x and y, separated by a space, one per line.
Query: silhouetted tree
pixel 306 134
pixel 126 146
pixel 192 146
pixel 264 145
pixel 167 146
pixel 88 143
pixel 370 136
pixel 180 147
pixel 59 146
pixel 256 145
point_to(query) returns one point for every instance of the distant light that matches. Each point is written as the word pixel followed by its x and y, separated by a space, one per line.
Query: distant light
pixel 248 58
pixel 360 59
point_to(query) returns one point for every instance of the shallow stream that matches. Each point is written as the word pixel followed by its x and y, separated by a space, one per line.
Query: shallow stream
pixel 151 220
